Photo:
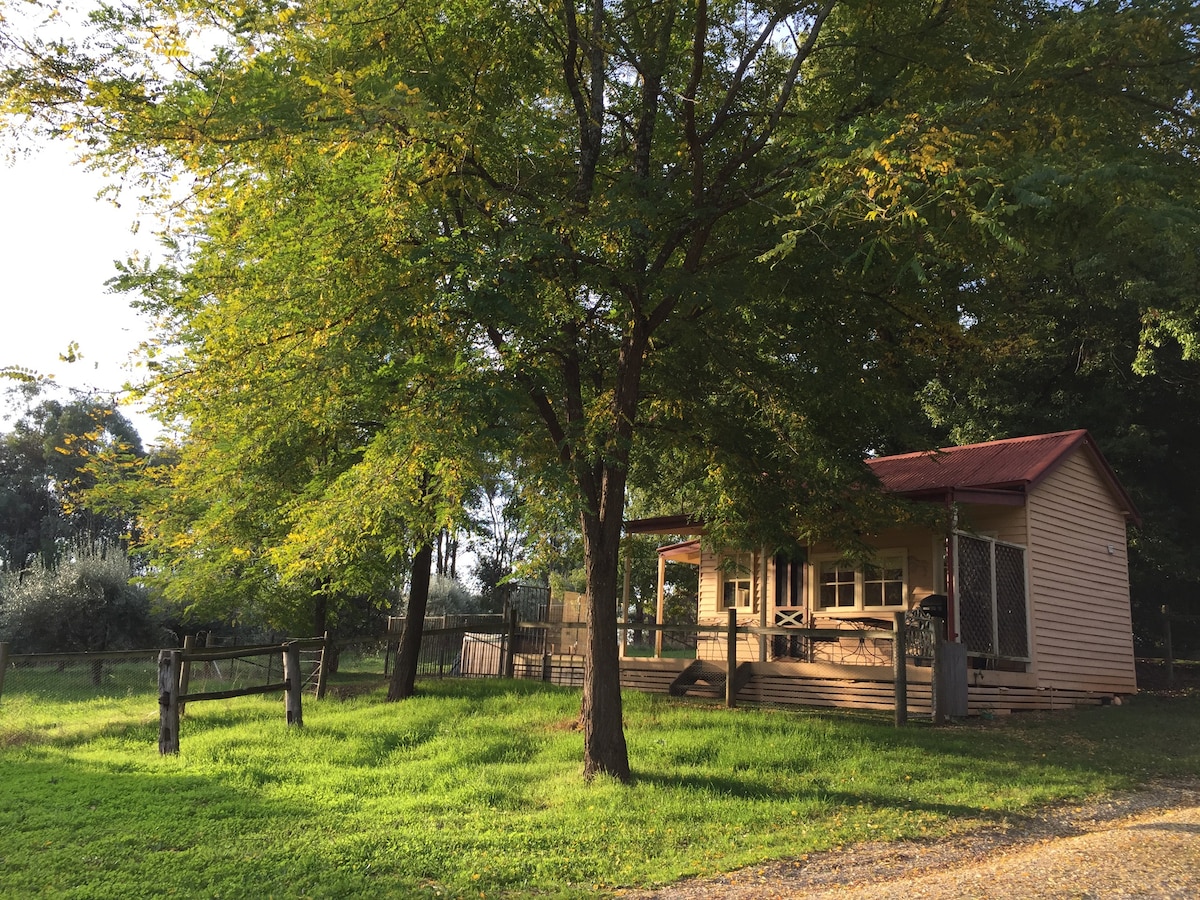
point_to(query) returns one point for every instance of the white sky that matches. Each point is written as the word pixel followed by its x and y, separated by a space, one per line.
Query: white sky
pixel 58 244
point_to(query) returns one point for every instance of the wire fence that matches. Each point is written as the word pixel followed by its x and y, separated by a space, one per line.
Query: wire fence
pixel 81 676
pixel 250 671
pixel 128 673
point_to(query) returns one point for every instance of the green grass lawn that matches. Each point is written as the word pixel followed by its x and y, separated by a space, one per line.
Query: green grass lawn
pixel 473 789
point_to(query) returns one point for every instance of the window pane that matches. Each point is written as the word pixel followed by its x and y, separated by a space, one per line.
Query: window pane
pixel 828 595
pixel 736 592
pixel 883 585
pixel 893 593
pixel 836 585
pixel 846 594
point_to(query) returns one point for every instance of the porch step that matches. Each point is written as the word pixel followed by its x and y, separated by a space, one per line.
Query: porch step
pixel 704 678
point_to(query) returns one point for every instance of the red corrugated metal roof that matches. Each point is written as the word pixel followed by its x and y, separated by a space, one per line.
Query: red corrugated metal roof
pixel 993 472
pixel 1013 465
pixel 1015 462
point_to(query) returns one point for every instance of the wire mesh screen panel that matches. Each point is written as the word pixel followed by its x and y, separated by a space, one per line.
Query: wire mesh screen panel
pixel 1011 619
pixel 992 600
pixel 974 586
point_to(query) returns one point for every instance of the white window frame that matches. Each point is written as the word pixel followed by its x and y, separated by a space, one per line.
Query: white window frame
pixel 883 559
pixel 733 572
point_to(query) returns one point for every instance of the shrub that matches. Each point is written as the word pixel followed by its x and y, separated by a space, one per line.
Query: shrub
pixel 84 602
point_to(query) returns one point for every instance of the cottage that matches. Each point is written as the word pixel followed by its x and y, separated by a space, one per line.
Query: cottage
pixel 1028 580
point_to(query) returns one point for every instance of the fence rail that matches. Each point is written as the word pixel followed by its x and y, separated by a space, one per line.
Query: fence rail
pixel 131 672
pixel 511 647
pixel 520 648
pixel 1168 650
pixel 173 693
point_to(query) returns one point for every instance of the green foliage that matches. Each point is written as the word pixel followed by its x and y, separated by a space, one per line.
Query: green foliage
pixel 50 465
pixel 473 788
pixel 710 250
pixel 1061 330
pixel 450 597
pixel 85 601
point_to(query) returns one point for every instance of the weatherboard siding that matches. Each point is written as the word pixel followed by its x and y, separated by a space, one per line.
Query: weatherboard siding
pixel 1004 523
pixel 709 606
pixel 1080 619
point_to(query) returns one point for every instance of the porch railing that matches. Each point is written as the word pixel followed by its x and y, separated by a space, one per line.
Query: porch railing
pixel 517 651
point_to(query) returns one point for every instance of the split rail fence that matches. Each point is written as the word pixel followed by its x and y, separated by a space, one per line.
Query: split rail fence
pixel 174 681
pixel 303 667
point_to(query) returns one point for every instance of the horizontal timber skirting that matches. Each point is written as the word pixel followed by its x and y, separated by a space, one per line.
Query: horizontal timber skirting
pixel 856 687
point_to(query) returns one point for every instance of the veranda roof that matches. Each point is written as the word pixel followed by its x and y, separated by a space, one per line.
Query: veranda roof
pixel 685 552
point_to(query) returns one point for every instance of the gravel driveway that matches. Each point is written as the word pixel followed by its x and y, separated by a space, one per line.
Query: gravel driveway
pixel 1145 844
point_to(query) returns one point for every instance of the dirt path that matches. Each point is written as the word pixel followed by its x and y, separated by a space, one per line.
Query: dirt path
pixel 1145 845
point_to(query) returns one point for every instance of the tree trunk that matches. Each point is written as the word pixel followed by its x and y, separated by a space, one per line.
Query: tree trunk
pixel 404 675
pixel 320 612
pixel 604 748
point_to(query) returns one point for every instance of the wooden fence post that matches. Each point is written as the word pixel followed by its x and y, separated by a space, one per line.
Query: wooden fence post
pixel 168 701
pixel 899 669
pixel 511 643
pixel 323 671
pixel 546 667
pixel 295 684
pixel 3 664
pixel 185 669
pixel 731 658
pixel 1168 652
pixel 937 690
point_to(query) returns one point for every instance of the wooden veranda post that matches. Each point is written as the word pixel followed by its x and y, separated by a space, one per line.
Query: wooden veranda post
pixel 168 701
pixel 899 669
pixel 3 664
pixel 731 658
pixel 660 605
pixel 937 698
pixel 295 684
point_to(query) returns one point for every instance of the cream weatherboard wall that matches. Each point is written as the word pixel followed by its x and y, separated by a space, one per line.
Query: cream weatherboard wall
pixel 1079 581
pixel 1004 523
pixel 711 605
pixel 920 576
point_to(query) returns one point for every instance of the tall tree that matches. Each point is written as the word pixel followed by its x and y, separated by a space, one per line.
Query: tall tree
pixel 559 209
pixel 48 470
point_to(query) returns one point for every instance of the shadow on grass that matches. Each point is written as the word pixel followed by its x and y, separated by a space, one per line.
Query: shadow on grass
pixel 741 789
